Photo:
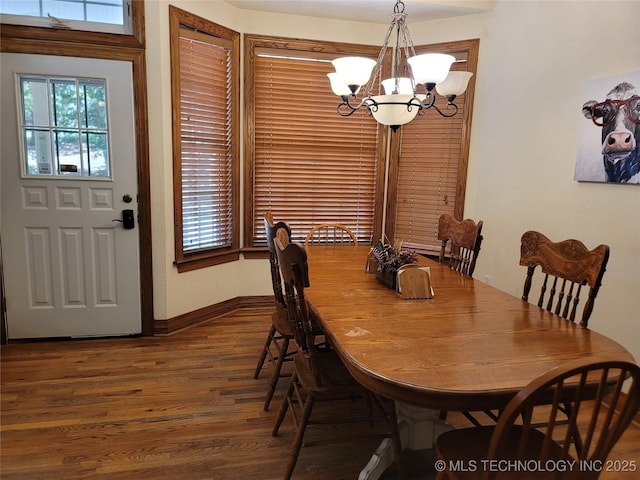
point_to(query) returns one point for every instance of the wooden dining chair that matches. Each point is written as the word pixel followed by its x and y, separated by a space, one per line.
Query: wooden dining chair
pixel 278 346
pixel 567 267
pixel 318 374
pixel 331 234
pixel 592 385
pixel 464 239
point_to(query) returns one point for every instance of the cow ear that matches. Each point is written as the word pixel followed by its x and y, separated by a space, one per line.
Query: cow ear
pixel 586 108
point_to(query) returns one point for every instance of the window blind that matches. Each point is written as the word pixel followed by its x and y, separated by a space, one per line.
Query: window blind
pixel 205 141
pixel 310 165
pixel 431 172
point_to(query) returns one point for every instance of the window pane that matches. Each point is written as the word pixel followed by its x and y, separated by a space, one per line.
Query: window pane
pixel 21 7
pixel 93 105
pixel 38 152
pixel 95 150
pixel 67 148
pixel 71 138
pixel 68 10
pixel 35 102
pixel 65 103
pixel 106 13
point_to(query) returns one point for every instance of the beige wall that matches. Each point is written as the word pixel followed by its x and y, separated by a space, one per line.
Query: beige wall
pixel 535 58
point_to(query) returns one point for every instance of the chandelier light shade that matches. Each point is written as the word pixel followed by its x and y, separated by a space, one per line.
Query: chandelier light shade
pixel 401 85
pixel 455 84
pixel 430 68
pixel 401 102
pixel 353 71
pixel 394 109
pixel 338 87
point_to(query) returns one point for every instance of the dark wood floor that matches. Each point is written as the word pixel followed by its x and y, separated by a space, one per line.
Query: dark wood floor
pixel 184 407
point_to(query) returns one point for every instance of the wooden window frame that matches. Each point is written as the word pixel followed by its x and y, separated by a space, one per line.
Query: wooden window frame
pixel 230 251
pixel 470 50
pixel 126 28
pixel 53 41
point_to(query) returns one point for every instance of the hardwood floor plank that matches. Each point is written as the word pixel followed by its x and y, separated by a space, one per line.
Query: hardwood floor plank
pixel 184 407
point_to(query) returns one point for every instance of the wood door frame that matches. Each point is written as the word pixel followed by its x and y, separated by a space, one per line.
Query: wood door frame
pixel 51 41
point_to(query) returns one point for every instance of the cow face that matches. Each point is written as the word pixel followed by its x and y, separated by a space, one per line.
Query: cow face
pixel 619 117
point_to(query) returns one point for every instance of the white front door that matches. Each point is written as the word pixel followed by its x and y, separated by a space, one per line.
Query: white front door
pixel 71 269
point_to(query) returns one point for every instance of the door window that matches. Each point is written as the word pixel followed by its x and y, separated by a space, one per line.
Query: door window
pixel 64 127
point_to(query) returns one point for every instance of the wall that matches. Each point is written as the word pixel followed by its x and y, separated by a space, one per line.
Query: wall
pixel 535 58
pixel 176 294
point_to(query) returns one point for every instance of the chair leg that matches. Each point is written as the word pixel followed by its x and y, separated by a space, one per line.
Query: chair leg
pixel 297 441
pixel 575 434
pixel 284 346
pixel 472 419
pixel 284 406
pixel 265 349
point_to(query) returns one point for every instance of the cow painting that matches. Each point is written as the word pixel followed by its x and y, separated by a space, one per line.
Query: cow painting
pixel 619 117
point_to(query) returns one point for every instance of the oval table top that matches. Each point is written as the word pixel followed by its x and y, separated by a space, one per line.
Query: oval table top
pixel 470 347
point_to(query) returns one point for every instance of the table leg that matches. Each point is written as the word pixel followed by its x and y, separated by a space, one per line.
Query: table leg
pixel 418 429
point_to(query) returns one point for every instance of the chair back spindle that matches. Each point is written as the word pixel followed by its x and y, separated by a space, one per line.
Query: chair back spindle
pixel 331 234
pixel 599 414
pixel 567 267
pixel 464 239
pixel 612 412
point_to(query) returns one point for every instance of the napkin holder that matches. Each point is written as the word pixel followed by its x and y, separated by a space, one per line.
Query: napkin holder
pixel 414 282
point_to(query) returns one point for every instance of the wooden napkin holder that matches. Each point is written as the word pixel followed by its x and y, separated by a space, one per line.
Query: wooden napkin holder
pixel 414 282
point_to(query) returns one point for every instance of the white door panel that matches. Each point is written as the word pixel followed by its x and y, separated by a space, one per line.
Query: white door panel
pixel 70 269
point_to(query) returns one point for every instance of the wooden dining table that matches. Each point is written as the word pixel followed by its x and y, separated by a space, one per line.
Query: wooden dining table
pixel 471 347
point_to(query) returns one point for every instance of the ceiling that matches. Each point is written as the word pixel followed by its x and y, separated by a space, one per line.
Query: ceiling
pixel 371 11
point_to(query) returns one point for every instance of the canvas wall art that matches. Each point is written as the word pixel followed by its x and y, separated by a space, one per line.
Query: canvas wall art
pixel 609 134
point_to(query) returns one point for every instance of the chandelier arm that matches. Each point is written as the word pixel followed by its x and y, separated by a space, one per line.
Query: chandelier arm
pixel 346 109
pixel 345 113
pixel 429 101
pixel 446 115
pixel 415 102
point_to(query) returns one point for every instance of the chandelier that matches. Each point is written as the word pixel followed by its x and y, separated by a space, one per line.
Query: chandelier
pixel 401 102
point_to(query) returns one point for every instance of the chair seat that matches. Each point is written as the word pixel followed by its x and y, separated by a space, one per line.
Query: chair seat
pixel 467 448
